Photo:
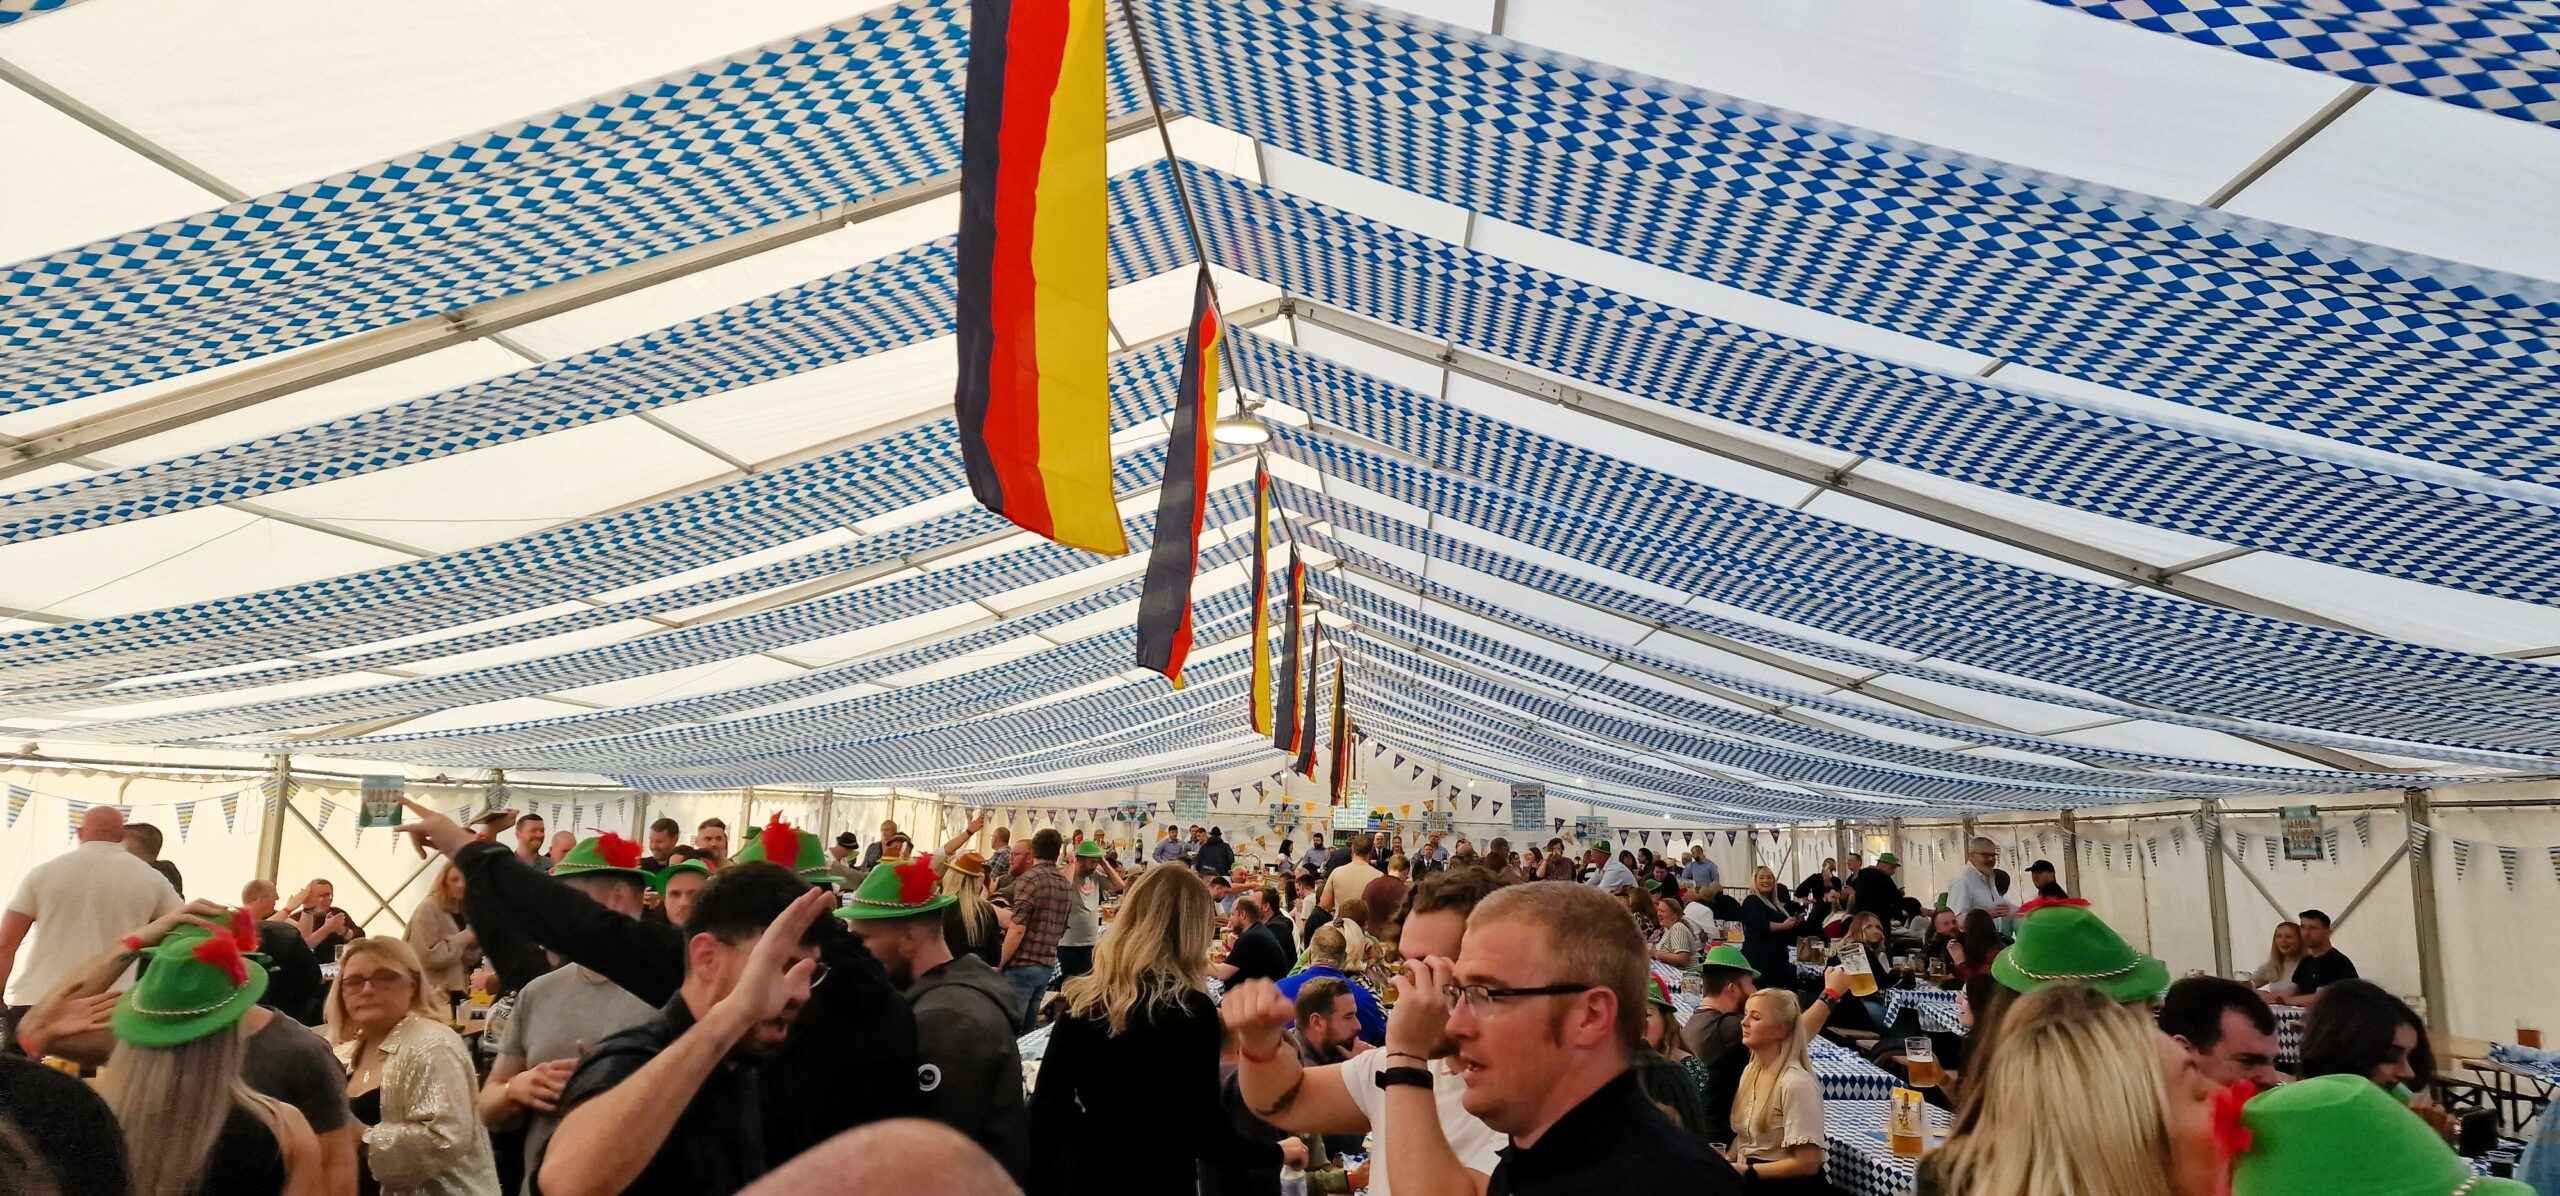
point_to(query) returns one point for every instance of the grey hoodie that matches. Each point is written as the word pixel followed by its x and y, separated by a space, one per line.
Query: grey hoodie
pixel 968 1067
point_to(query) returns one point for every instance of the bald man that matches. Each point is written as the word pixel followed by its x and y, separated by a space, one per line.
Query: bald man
pixel 87 900
pixel 902 1155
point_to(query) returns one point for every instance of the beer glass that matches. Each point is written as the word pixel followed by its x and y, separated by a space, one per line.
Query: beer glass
pixel 1862 979
pixel 1922 1058
pixel 1903 1124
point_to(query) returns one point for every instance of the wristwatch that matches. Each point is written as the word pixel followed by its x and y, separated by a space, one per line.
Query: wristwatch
pixel 1417 1077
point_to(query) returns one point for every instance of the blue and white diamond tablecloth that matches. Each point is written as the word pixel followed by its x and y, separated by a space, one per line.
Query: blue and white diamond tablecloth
pixel 1846 1075
pixel 1935 1007
pixel 1856 1159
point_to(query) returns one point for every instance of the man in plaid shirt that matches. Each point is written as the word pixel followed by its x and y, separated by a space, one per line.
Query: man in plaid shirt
pixel 1041 898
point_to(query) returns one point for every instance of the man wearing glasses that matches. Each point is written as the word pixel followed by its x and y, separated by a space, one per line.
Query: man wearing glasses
pixel 1544 1003
pixel 1975 888
pixel 1347 1099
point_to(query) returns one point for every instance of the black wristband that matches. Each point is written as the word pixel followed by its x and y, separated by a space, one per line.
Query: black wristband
pixel 1416 1077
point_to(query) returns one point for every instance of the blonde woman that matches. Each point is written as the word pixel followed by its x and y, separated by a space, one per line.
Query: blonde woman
pixel 441 935
pixel 2282 954
pixel 970 925
pixel 191 1127
pixel 1777 1109
pixel 2137 1120
pixel 1136 1049
pixel 409 1077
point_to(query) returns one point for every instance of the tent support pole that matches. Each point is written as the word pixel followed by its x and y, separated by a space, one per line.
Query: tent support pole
pixel 2071 851
pixel 746 818
pixel 271 821
pixel 640 816
pixel 2217 894
pixel 1893 837
pixel 2422 901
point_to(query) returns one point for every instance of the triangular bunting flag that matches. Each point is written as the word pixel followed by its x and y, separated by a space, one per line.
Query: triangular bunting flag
pixel 327 807
pixel 2178 837
pixel 1399 760
pixel 1688 836
pixel 2275 849
pixel 186 819
pixel 18 804
pixel 1497 808
pixel 2364 830
pixel 1730 836
pixel 2555 862
pixel 2507 864
pixel 230 812
pixel 2329 843
pixel 1474 800
pixel 2151 847
pixel 2461 857
pixel 72 810
pixel 2419 833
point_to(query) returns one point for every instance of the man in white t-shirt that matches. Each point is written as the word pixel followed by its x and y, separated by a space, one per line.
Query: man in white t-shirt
pixel 85 900
pixel 1345 1098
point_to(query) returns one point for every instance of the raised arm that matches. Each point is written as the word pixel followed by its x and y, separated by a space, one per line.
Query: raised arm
pixel 1271 1081
pixel 646 961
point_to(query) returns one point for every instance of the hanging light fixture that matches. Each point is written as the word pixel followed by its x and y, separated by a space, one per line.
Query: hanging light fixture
pixel 1244 428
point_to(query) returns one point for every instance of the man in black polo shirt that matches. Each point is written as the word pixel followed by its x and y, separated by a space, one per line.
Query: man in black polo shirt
pixel 1257 953
pixel 672 1107
pixel 1549 1001
pixel 2321 964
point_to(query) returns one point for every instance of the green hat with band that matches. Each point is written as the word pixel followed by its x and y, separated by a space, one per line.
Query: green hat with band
pixel 658 879
pixel 2340 1135
pixel 1090 849
pixel 2063 941
pixel 197 982
pixel 1726 955
pixel 605 854
pixel 1656 994
pixel 1890 858
pixel 897 889
pixel 784 844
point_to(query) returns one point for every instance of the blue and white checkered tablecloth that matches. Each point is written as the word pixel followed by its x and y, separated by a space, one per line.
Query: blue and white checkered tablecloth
pixel 1810 970
pixel 1935 1007
pixel 1856 1159
pixel 1845 1074
pixel 2288 1035
pixel 2539 1064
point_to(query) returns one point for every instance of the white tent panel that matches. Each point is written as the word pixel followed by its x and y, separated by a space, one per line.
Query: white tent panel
pixel 88 188
pixel 267 94
pixel 482 714
pixel 1386 365
pixel 395 382
pixel 1999 710
pixel 2403 610
pixel 2414 174
pixel 772 420
pixel 922 625
pixel 191 556
pixel 1331 185
pixel 1624 444
pixel 2018 82
pixel 2147 736
pixel 2150 545
pixel 1559 256
pixel 681 683
pixel 510 489
pixel 830 538
pixel 1859 512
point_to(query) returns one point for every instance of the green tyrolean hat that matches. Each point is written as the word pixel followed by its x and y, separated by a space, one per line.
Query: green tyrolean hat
pixel 786 845
pixel 603 855
pixel 196 982
pixel 2063 941
pixel 2341 1135
pixel 897 889
pixel 1726 955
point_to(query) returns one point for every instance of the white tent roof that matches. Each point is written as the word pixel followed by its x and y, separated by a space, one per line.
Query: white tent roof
pixel 653 554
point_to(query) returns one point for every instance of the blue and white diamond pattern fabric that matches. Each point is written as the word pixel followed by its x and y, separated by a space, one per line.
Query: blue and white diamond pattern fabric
pixel 1774 558
pixel 2388 350
pixel 1967 429
pixel 1411 538
pixel 902 299
pixel 14 11
pixel 1836 747
pixel 782 131
pixel 895 471
pixel 2500 56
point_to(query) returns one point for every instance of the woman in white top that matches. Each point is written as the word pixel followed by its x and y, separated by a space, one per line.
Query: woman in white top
pixel 1777 1110
pixel 2282 954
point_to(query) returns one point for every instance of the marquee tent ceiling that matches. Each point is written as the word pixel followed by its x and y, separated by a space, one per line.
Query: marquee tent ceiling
pixel 2082 404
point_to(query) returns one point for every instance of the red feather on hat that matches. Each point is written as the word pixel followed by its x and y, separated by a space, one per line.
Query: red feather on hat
pixel 617 851
pixel 781 843
pixel 223 951
pixel 244 930
pixel 2044 902
pixel 915 881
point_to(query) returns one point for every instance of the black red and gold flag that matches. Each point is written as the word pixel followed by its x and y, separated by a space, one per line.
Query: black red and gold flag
pixel 1289 723
pixel 1340 779
pixel 1259 703
pixel 1034 401
pixel 1164 606
pixel 1306 762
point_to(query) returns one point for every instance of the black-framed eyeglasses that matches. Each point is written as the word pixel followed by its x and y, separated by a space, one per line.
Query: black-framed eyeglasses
pixel 1492 998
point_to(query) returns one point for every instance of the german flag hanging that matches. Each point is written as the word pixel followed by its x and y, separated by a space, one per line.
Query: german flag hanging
pixel 1306 763
pixel 1034 401
pixel 1260 701
pixel 1164 606
pixel 1339 780
pixel 1290 724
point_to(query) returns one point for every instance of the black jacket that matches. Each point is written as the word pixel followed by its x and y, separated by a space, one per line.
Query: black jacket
pixel 1157 1080
pixel 1215 857
pixel 971 1072
pixel 1874 891
pixel 851 1059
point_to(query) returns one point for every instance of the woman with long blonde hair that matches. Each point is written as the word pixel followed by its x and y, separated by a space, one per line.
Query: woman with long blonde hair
pixel 409 1077
pixel 970 925
pixel 2078 1095
pixel 1777 1108
pixel 1136 1046
pixel 441 934
pixel 192 1127
pixel 2282 953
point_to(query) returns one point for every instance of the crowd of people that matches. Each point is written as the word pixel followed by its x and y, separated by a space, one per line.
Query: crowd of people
pixel 673 1017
